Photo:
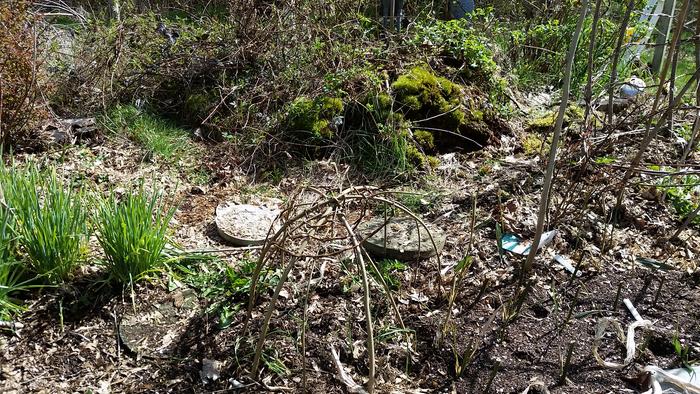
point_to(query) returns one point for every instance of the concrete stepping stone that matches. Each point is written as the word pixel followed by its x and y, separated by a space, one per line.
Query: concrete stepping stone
pixel 405 239
pixel 244 224
pixel 155 331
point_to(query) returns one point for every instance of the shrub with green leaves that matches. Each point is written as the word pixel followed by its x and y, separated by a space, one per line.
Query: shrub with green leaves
pixel 132 232
pixel 458 40
pixel 49 219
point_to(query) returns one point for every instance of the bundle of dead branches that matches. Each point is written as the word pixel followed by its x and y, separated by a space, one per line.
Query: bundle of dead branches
pixel 318 225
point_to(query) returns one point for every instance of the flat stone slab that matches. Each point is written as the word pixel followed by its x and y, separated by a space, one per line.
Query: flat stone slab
pixel 155 331
pixel 406 239
pixel 244 224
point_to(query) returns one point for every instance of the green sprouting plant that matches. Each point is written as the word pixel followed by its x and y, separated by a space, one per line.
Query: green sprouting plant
pixel 274 363
pixel 464 358
pixel 682 351
pixel 387 269
pixel 10 272
pixel 384 148
pixel 217 279
pixel 133 232
pixel 458 39
pixel 683 195
pixel 604 160
pixel 239 279
pixel 49 219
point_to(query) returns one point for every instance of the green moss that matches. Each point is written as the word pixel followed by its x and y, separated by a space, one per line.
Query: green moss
pixel 330 106
pixel 477 115
pixel 412 102
pixel 321 129
pixel 457 116
pixel 532 144
pixel 302 114
pixel 546 121
pixel 415 156
pixel 424 138
pixel 426 95
pixel 384 101
pixel 315 116
pixel 197 106
pixel 433 161
pixel 573 113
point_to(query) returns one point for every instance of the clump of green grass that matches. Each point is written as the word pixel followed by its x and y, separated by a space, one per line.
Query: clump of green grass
pixel 132 233
pixel 49 220
pixel 158 136
pixel 10 269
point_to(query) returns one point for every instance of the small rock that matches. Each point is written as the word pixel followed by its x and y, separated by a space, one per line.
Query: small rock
pixel 211 371
pixel 619 104
pixel 633 87
pixel 155 331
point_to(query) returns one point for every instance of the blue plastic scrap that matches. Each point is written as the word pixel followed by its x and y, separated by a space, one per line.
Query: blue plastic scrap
pixel 511 243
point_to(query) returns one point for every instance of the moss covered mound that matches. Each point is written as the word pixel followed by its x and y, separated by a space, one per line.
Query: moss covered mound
pixel 422 93
pixel 446 116
pixel 421 115
pixel 314 120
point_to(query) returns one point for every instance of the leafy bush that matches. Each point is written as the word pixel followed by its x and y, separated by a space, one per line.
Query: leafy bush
pixel 49 218
pixel 684 194
pixel 539 49
pixel 132 233
pixel 18 71
pixel 458 40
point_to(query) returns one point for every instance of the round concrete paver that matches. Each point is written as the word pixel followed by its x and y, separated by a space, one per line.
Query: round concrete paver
pixel 244 225
pixel 405 239
pixel 155 331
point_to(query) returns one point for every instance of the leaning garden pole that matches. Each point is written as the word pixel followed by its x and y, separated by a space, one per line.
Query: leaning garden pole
pixel 566 89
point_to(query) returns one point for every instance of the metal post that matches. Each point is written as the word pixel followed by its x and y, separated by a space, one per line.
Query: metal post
pixel 663 32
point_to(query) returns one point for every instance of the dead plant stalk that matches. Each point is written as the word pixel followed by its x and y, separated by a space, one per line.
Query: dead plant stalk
pixel 544 200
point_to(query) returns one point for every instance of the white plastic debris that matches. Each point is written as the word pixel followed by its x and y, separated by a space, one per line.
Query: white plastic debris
pixel 673 381
pixel 632 310
pixel 602 327
pixel 511 243
pixel 633 87
pixel 236 385
pixel 538 385
pixel 343 376
pixel 566 263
